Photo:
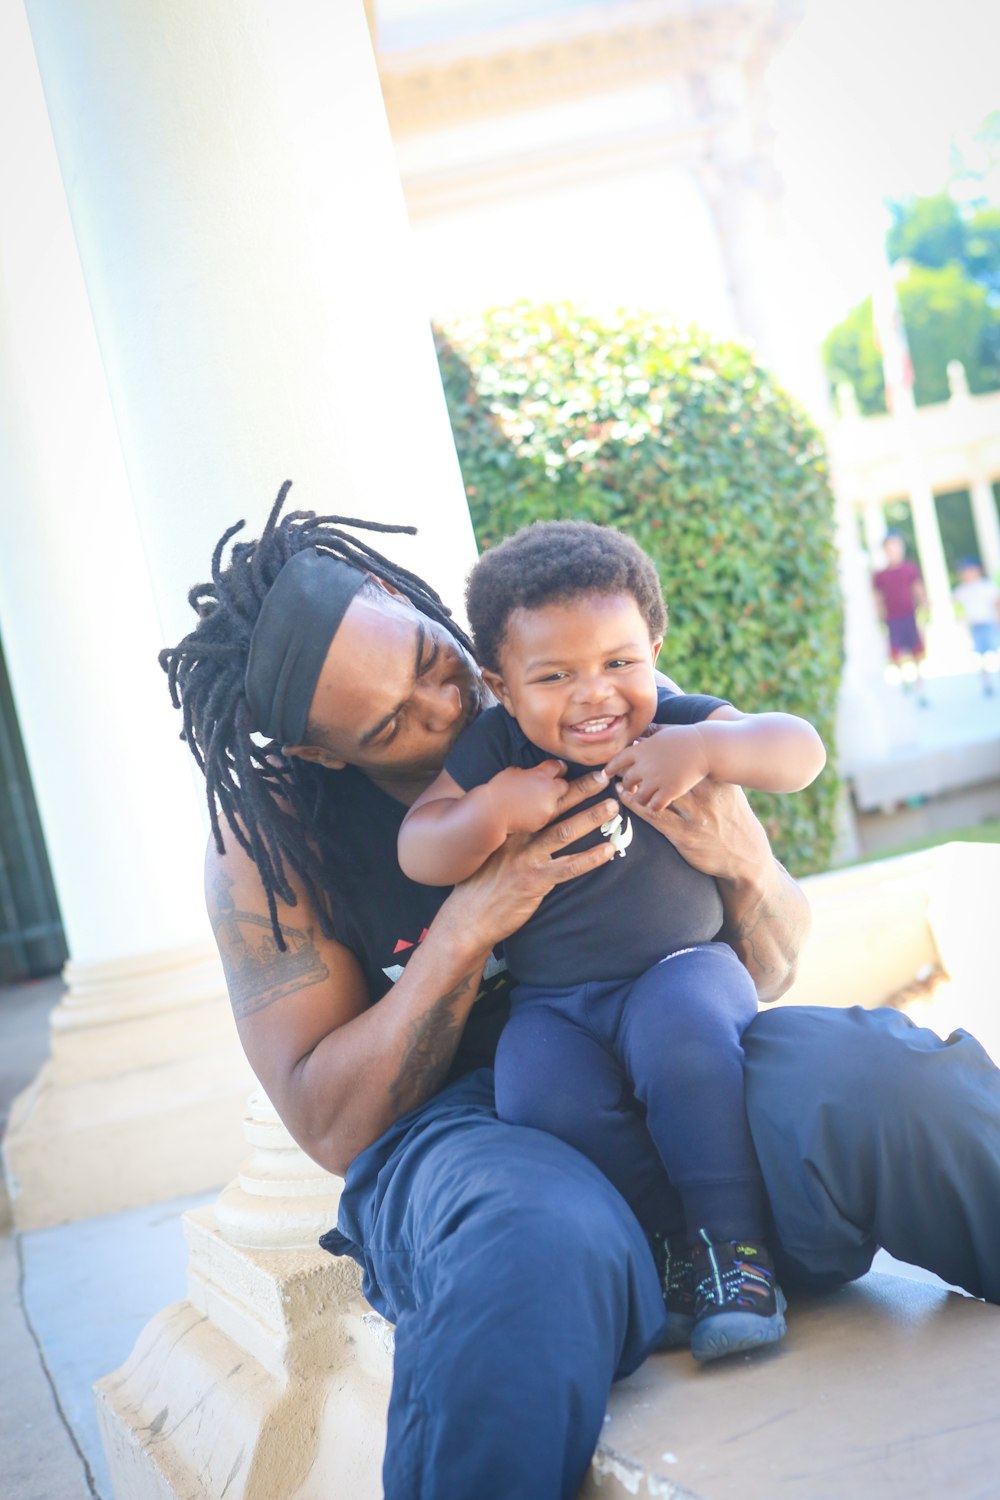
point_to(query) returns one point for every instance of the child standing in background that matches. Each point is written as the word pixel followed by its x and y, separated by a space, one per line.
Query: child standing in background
pixel 628 1012
pixel 978 599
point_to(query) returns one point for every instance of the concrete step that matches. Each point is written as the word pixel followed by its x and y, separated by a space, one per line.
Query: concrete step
pixel 885 1390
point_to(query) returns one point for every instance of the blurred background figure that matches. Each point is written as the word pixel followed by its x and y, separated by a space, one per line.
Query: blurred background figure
pixel 899 593
pixel 978 601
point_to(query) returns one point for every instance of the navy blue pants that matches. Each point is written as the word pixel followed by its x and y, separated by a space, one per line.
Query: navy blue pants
pixel 521 1284
pixel 604 1063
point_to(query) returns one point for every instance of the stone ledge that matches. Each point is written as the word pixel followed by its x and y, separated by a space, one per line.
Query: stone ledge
pixel 884 1390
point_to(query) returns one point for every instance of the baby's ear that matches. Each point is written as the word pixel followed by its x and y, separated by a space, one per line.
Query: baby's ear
pixel 497 687
pixel 654 646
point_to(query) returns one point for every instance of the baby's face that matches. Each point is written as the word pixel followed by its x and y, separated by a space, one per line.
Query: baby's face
pixel 578 676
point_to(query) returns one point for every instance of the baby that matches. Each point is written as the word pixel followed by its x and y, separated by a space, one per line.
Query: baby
pixel 627 1014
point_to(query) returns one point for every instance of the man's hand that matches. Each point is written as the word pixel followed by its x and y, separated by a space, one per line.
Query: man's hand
pixel 660 767
pixel 713 826
pixel 528 799
pixel 506 890
pixel 766 914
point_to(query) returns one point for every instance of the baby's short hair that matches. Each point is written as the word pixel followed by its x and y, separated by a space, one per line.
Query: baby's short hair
pixel 551 562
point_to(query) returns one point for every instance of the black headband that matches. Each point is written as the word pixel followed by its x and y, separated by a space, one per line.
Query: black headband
pixel 298 619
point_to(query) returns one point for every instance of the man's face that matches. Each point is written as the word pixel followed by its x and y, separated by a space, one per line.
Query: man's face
pixel 578 676
pixel 895 550
pixel 395 692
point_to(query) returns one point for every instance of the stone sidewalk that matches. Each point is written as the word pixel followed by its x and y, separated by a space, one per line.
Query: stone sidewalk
pixel 883 1391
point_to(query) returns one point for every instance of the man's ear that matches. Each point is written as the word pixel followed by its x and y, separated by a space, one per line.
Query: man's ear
pixel 388 589
pixel 315 755
pixel 497 687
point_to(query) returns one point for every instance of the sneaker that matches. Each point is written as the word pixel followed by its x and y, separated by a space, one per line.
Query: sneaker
pixel 737 1302
pixel 676 1268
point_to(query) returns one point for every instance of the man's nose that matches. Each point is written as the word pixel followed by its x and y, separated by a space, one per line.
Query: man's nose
pixel 441 706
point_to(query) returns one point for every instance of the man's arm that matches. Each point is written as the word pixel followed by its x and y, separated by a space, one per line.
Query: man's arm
pixel 766 915
pixel 338 1069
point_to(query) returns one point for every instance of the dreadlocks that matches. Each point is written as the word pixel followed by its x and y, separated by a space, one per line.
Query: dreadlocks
pixel 270 802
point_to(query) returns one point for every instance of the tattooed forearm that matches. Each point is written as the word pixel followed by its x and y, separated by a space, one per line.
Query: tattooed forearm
pixel 257 972
pixel 769 934
pixel 430 1048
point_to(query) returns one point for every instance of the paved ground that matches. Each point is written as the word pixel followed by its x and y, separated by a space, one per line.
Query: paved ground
pixel 73 1300
pixel 943 770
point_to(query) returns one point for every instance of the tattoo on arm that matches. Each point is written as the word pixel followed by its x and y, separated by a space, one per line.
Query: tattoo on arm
pixel 768 936
pixel 257 972
pixel 765 957
pixel 430 1048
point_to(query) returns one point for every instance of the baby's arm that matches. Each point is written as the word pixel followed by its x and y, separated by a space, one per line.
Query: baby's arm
pixel 448 832
pixel 769 752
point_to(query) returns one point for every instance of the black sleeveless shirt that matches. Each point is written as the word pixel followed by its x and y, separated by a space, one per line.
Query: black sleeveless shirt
pixel 382 917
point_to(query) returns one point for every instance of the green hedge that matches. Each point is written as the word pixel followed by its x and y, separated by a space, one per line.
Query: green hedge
pixel 690 447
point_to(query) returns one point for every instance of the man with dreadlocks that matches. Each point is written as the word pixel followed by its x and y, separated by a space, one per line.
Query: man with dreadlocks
pixel 321 690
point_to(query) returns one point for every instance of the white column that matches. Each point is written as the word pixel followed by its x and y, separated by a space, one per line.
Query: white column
pixel 744 192
pixel 984 510
pixel 931 555
pixel 942 631
pixel 987 524
pixel 127 1109
pixel 244 242
pixel 119 807
pixel 873 522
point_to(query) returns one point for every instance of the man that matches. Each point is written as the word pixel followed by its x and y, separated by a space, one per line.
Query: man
pixel 899 593
pixel 519 1282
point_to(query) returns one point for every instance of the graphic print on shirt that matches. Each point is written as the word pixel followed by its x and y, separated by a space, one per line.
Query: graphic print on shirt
pixel 405 947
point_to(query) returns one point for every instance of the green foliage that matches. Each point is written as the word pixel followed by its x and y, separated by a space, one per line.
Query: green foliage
pixel 690 448
pixel 981 250
pixel 850 353
pixel 927 230
pixel 947 316
pixel 949 297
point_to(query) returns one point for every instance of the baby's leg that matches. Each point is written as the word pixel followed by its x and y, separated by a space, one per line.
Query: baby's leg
pixel 680 1038
pixel 680 1042
pixel 556 1071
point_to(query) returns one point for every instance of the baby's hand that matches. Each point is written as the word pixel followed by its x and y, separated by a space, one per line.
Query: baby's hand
pixel 529 799
pixel 661 767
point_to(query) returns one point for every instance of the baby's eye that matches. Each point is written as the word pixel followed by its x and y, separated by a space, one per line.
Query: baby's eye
pixel 552 677
pixel 620 661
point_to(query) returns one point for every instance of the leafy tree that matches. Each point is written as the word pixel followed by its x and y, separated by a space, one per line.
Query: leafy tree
pixel 850 353
pixel 949 297
pixel 927 230
pixel 946 316
pixel 981 251
pixel 690 447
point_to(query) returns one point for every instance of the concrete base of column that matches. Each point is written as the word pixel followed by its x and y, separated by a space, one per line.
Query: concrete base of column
pixel 272 1379
pixel 142 1098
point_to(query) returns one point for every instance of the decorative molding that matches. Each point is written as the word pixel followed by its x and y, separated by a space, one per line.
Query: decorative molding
pixel 597 51
pixel 433 192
